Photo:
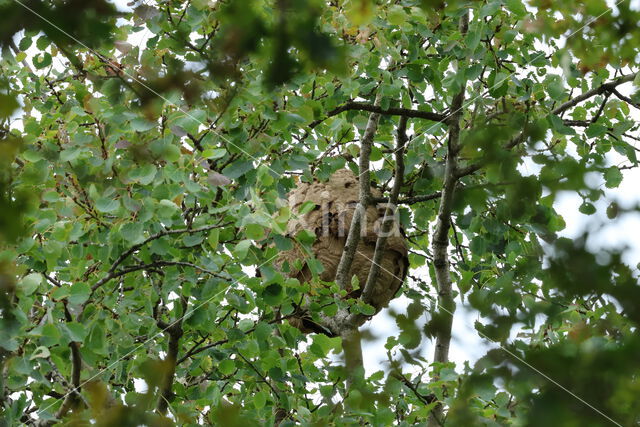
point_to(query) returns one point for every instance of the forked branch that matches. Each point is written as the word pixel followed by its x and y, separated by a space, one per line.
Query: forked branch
pixel 353 238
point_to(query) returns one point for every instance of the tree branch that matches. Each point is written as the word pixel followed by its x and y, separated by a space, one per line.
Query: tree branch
pixel 349 333
pixel 15 50
pixel 389 214
pixel 609 87
pixel 625 98
pixel 353 238
pixel 410 200
pixel 197 349
pixel 175 332
pixel 156 236
pixel 155 264
pixel 112 274
pixel 605 87
pixel 440 243
pixel 375 108
pixel 262 377
pixel 425 399
pixel 441 240
pixel 352 348
pixel 72 397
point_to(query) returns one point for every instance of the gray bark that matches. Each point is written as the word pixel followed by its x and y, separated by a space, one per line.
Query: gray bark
pixel 440 243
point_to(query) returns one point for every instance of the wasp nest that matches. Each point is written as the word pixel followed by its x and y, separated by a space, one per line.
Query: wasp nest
pixel 335 202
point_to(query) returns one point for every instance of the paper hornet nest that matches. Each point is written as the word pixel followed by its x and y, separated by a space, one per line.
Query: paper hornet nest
pixel 335 202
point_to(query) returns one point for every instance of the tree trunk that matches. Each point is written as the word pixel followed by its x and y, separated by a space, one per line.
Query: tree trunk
pixel 352 347
pixel 440 243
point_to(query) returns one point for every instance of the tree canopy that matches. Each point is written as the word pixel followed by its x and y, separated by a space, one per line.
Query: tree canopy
pixel 147 150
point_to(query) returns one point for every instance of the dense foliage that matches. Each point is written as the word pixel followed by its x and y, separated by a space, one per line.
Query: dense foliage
pixel 146 152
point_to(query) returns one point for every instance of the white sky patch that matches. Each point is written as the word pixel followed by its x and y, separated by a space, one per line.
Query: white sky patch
pixel 140 385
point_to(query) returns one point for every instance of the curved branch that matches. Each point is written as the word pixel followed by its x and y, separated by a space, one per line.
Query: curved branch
pixel 625 98
pixel 605 87
pixel 197 349
pixel 375 108
pixel 155 264
pixel 156 236
pixel 112 273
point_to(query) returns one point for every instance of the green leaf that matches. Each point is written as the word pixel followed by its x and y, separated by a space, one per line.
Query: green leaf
pixel 214 153
pixel 282 243
pixel 322 344
pixel 516 7
pixel 70 154
pixel 40 352
pixel 472 40
pixel 214 238
pixel 43 42
pixel 143 174
pixel 396 15
pixel 8 104
pixel 499 84
pixel 254 231
pixel 273 294
pixel 142 125
pixel 73 331
pixel 260 399
pixel 264 175
pixel 306 207
pixel 587 208
pixel 315 266
pixel 365 309
pixel 79 293
pixel 50 335
pixel 171 153
pixel 25 43
pixel 133 232
pixel 227 366
pixel 306 237
pixel 558 125
pixel 41 60
pixel 555 87
pixel 242 248
pixel 28 284
pixel 490 8
pixel 595 130
pixel 263 332
pixel 107 204
pixel 167 209
pixel 191 240
pixel 360 12
pixel 448 374
pixel 238 168
pixel 612 177
pixel 61 293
